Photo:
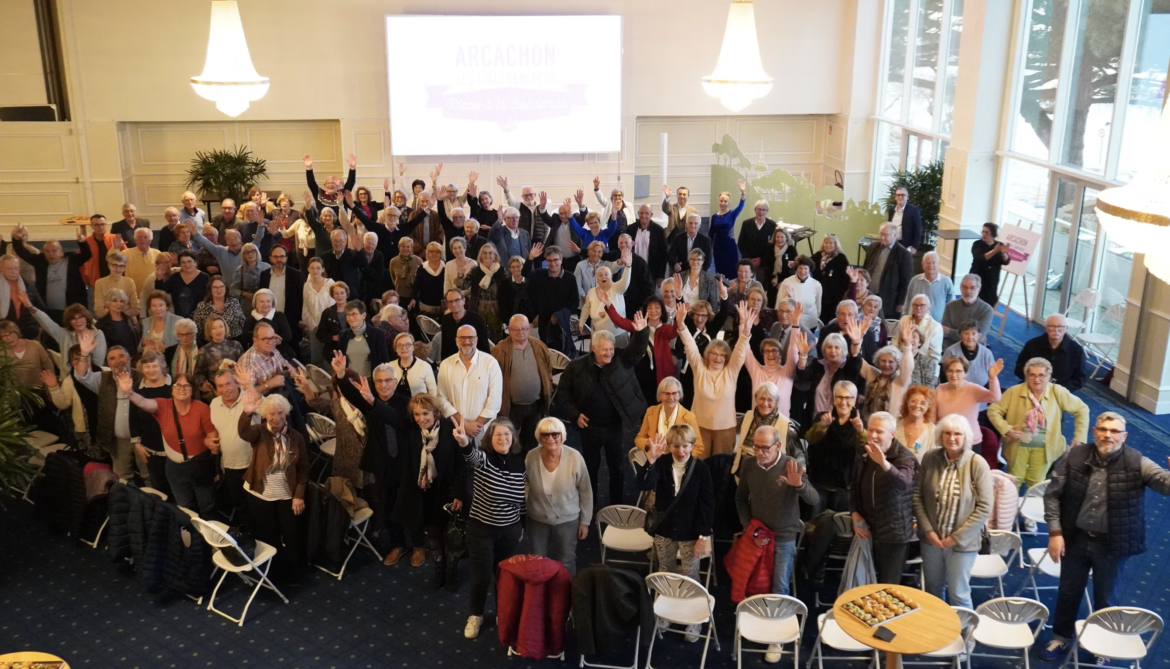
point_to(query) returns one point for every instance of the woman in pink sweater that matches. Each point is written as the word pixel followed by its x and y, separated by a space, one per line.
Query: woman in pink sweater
pixel 958 395
pixel 716 372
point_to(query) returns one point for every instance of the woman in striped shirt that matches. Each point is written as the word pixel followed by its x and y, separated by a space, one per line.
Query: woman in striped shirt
pixel 497 503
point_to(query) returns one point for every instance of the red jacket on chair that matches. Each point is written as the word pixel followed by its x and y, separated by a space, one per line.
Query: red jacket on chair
pixel 533 596
pixel 749 565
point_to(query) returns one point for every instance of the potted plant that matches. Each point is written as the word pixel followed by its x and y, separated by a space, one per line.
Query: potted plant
pixel 16 401
pixel 221 174
pixel 925 187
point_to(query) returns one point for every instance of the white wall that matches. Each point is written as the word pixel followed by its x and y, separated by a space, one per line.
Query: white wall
pixel 22 81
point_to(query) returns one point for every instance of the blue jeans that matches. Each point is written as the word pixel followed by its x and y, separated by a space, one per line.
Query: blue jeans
pixel 949 567
pixel 782 567
pixel 1082 555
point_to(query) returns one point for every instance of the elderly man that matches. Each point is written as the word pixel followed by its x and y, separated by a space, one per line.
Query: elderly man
pixel 228 257
pixel 881 499
pixel 253 223
pixel 288 285
pixel 226 219
pixel 15 294
pixel 553 292
pixel 471 383
pixel 140 257
pixel 891 266
pixel 510 239
pixel 1055 346
pixel 846 311
pixel 457 316
pixel 474 238
pixel 930 332
pixel 561 233
pixel 771 487
pixel 649 243
pixel 396 322
pixel 404 267
pixel 907 218
pixel 642 284
pixel 679 214
pixel 755 241
pixel 263 364
pixel 174 218
pixel 686 240
pixel 345 264
pixel 601 396
pixel 58 274
pixel 934 285
pixel 1096 515
pixel 129 224
pixel 967 308
pixel 189 212
pixel 530 210
pixel 235 453
pixel 527 373
pixel 113 407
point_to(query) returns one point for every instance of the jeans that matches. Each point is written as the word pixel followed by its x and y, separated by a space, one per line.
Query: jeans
pixel 607 439
pixel 193 483
pixel 949 567
pixel 1082 555
pixel 525 417
pixel 487 546
pixel 889 560
pixel 782 567
pixel 558 542
pixel 671 552
pixel 278 526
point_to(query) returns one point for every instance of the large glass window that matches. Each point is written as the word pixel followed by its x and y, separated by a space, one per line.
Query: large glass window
pixel 896 44
pixel 1093 84
pixel 952 68
pixel 1039 76
pixel 926 63
pixel 1023 206
pixel 1147 85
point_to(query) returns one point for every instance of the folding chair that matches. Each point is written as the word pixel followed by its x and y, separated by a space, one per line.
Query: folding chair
pixel 1032 508
pixel 320 429
pixel 359 523
pixel 1042 563
pixel 956 650
pixel 1005 623
pixel 622 528
pixel 428 326
pixel 256 566
pixel 681 600
pixel 321 380
pixel 1004 547
pixel 1116 633
pixel 558 362
pixel 839 549
pixel 770 620
pixel 830 634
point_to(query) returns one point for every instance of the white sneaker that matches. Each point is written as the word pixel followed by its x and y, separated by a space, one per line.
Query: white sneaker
pixel 662 624
pixel 693 633
pixel 773 654
pixel 472 629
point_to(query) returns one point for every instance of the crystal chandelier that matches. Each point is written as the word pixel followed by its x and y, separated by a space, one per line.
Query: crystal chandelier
pixel 1137 216
pixel 739 76
pixel 229 79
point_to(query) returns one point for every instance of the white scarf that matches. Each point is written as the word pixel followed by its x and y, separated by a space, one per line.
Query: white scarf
pixel 427 471
pixel 488 273
pixel 6 295
pixel 663 423
pixel 259 316
pixel 355 417
pixel 432 272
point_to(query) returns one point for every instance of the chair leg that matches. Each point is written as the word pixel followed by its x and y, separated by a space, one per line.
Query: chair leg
pixel 214 592
pixel 653 637
pixel 707 643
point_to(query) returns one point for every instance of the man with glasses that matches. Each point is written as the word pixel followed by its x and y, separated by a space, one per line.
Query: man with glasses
pixel 531 211
pixel 510 239
pixel 288 285
pixel 58 275
pixel 553 292
pixel 456 317
pixel 235 453
pixel 1096 515
pixel 471 383
pixel 263 364
pixel 113 406
pixel 967 308
pixel 1055 346
pixel 527 373
pixel 907 218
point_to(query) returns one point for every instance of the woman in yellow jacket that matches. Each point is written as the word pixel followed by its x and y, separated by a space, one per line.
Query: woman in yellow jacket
pixel 667 413
pixel 1029 417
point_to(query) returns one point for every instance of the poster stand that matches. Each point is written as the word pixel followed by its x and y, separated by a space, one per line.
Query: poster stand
pixel 1017 268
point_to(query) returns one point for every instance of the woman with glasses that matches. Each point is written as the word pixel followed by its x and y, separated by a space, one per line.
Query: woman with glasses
pixel 962 397
pixel 75 321
pixel 218 302
pixel 885 383
pixel 264 311
pixel 117 279
pixel 766 413
pixel 247 279
pixel 666 414
pixel 484 296
pixel 560 498
pixel 183 357
pixel 835 440
pixel 930 337
pixel 415 375
pixel 217 349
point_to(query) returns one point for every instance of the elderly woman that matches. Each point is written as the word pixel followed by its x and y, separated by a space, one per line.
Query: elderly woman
pixel 716 373
pixel 782 257
pixel 117 279
pixel 594 309
pixel 163 268
pixel 149 447
pixel 885 383
pixel 493 527
pixel 979 358
pixel 1029 417
pixel 514 297
pixel 264 311
pixel 835 440
pixel 27 356
pixel 457 273
pixel 415 376
pixel 953 494
pixel 217 349
pixel 247 279
pixel 117 325
pixel 658 363
pixel 830 269
pixel 962 397
pixel 586 270
pixel 806 291
pixel 276 480
pixel 914 430
pixel 74 322
pixel 666 414
pixel 426 293
pixel 486 280
pixel 560 498
pixel 766 412
pixel 859 280
pixel 815 379
pixel 72 392
pixel 723 244
pixel 218 302
pixel 930 332
pixel 695 284
pixel 765 319
pixel 780 374
pixel 876 336
pixel 184 355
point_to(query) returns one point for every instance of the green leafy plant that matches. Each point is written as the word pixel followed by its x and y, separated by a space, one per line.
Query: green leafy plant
pixel 15 400
pixel 225 173
pixel 925 187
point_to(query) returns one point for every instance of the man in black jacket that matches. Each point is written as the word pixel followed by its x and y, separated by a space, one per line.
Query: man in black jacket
pixel 457 316
pixel 562 235
pixel 907 217
pixel 53 259
pixel 642 284
pixel 681 246
pixel 755 241
pixel 891 266
pixel 288 284
pixel 882 500
pixel 1055 346
pixel 129 223
pixel 553 290
pixel 600 395
pixel 344 264
pixel 649 243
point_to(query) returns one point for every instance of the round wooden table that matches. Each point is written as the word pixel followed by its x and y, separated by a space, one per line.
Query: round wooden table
pixel 929 628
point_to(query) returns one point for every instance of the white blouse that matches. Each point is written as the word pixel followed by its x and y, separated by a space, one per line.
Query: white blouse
pixel 315 302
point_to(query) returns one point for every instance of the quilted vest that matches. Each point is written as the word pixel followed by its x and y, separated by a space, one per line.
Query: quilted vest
pixel 1125 504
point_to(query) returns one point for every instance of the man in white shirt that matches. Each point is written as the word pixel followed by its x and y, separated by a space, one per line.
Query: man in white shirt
pixel 235 453
pixel 472 384
pixel 288 285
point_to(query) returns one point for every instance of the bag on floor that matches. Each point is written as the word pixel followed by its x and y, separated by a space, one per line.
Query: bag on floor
pixel 246 546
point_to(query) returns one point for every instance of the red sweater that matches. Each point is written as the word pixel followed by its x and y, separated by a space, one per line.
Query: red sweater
pixel 663 358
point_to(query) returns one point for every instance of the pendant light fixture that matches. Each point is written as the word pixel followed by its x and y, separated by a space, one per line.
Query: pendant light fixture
pixel 739 76
pixel 228 78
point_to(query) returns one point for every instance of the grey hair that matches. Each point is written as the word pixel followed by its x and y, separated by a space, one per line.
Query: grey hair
pixel 891 351
pixel 764 203
pixel 837 339
pixel 600 269
pixel 550 424
pixel 386 368
pixel 697 253
pixel 849 304
pixel 117 256
pixel 888 418
pixel 277 402
pixel 1111 415
pixel 369 235
pixel 847 386
pixel 1038 362
pixel 600 336
pixel 954 422
pixel 116 294
pixel 263 291
pixel 922 296
pixel 930 254
pixel 694 215
pixel 146 230
pixel 887 226
pixel 510 211
pixel 873 298
pixel 395 311
pixel 770 432
pixel 973 277
pixel 669 382
pixel 767 387
pixel 186 325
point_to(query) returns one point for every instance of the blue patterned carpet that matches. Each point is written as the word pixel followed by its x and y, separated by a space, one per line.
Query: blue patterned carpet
pixel 70 600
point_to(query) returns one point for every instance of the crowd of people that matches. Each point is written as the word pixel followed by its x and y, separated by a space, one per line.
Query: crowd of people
pixel 438 314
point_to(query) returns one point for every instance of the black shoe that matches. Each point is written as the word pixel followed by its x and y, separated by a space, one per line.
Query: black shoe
pixel 452 574
pixel 439 576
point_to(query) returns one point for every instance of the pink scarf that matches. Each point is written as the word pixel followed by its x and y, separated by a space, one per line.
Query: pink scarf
pixel 1035 417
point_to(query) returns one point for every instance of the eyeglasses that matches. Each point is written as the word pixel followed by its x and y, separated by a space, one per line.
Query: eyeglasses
pixel 268 339
pixel 1108 431
pixel 181 386
pixel 844 398
pixel 551 435
pixel 466 338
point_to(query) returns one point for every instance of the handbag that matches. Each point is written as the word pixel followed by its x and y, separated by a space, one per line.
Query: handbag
pixel 244 550
pixel 654 518
pixel 455 538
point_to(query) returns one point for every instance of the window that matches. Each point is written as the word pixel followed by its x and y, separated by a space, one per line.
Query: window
pixel 1146 86
pixel 1025 198
pixel 1039 77
pixel 1093 84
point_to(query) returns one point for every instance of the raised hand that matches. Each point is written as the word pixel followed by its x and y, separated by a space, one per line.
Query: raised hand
pixel 569 203
pixel 722 288
pixel 858 425
pixel 352 161
pixel 680 313
pixel 401 169
pixel 639 322
pixel 573 247
pixel 537 248
pixel 656 447
pixel 348 198
pixel 797 313
pixel 81 235
pixel 604 298
pixel 338 364
pixel 307 197
pixel 853 329
pixel 308 162
pixel 851 272
pixel 543 199
pixel 875 453
pixel 243 377
pixel 825 419
pixel 995 368
pixel 580 197
pixel 86 339
pixel 792 474
pixel 472 177
pixel 596 183
pixel 502 182
pixel 48 378
pixel 125 383
pixel 742 185
pixel 459 432
pixel 803 345
pixel 666 190
pixel 628 257
pixel 252 399
pixel 386 185
pixel 363 387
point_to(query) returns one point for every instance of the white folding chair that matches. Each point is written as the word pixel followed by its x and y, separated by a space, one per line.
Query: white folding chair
pixel 839 549
pixel 1116 633
pixel 830 634
pixel 681 600
pixel 321 380
pixel 1102 347
pixel 359 523
pixel 1005 623
pixel 428 326
pixel 772 620
pixel 257 566
pixel 956 650
pixel 1087 300
pixel 622 528
pixel 1042 563
pixel 1032 508
pixel 558 362
pixel 1004 547
pixel 320 429
pixel 328 450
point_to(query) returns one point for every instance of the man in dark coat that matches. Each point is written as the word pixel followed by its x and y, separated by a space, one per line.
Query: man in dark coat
pixel 1057 347
pixel 642 284
pixel 50 257
pixel 907 217
pixel 600 395
pixel 881 499
pixel 755 242
pixel 891 266
pixel 344 264
pixel 681 245
pixel 129 223
pixel 293 291
pixel 553 291
pixel 649 243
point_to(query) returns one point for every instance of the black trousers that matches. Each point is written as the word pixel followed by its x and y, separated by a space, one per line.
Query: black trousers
pixel 889 560
pixel 156 466
pixel 236 497
pixel 1082 555
pixel 488 546
pixel 380 495
pixel 525 417
pixel 608 439
pixel 277 525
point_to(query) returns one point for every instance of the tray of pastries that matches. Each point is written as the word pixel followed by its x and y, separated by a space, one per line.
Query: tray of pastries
pixel 881 607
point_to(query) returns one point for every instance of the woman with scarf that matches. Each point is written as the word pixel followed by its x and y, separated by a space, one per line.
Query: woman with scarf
pixel 723 245
pixel 183 357
pixel 432 478
pixel 830 268
pixel 457 273
pixel 915 430
pixel 782 259
pixel 276 481
pixel 158 329
pixel 885 383
pixel 73 393
pixel 766 413
pixel 666 414
pixel 816 378
pixel 217 349
pixel 426 295
pixel 74 322
pixel 247 279
pixel 264 311
pixel 154 384
pixel 486 279
pixel 351 423
pixel 497 505
pixel 219 303
pixel 118 327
